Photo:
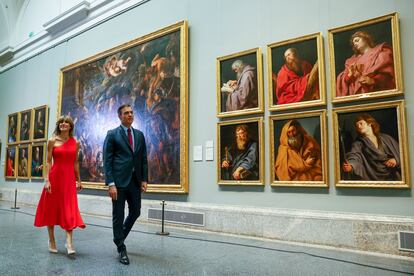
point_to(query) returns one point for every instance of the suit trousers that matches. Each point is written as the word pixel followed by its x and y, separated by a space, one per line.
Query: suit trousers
pixel 121 228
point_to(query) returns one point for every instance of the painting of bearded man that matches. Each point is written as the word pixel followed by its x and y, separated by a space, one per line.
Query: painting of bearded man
pixel 296 72
pixel 240 151
pixel 298 151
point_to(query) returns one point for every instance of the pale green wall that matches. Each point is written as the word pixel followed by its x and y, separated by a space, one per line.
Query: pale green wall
pixel 218 28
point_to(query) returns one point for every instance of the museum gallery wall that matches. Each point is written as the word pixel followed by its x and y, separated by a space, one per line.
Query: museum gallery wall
pixel 151 73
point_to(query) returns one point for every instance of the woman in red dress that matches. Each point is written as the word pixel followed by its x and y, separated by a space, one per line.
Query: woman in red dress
pixel 58 204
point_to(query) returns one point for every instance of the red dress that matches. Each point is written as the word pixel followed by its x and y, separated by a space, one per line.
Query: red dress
pixel 60 207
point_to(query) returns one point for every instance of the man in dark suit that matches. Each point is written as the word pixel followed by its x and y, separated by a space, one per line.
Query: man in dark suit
pixel 126 174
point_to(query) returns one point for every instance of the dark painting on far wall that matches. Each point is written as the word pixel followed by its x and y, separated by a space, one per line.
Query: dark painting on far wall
pixel 38 160
pixel 23 162
pixel 25 125
pixel 150 73
pixel 365 60
pixel 40 123
pixel 12 128
pixel 10 163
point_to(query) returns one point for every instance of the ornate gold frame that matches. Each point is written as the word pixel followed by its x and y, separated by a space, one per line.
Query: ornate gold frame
pixel 43 160
pixel 30 124
pixel 321 73
pixel 393 18
pixel 259 121
pixel 402 141
pixel 324 145
pixel 259 70
pixel 15 162
pixel 29 160
pixel 17 128
pixel 46 107
pixel 181 26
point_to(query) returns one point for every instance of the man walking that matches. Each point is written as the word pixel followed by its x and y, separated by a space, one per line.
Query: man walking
pixel 126 174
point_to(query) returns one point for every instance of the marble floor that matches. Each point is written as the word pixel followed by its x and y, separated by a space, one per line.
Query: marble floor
pixel 23 251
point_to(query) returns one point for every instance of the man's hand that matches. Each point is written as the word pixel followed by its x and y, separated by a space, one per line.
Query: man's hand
pixel 310 160
pixel 391 163
pixel 144 185
pixel 236 174
pixel 225 164
pixel 113 193
pixel 347 167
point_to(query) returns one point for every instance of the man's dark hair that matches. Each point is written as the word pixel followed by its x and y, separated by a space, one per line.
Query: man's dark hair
pixel 122 107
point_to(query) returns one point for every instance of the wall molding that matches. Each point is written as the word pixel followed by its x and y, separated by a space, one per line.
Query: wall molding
pixel 82 17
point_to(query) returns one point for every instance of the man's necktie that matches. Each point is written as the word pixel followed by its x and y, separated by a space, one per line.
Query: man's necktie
pixel 131 144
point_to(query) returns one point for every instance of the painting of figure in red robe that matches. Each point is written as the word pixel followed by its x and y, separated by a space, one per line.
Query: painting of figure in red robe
pixel 366 60
pixel 295 72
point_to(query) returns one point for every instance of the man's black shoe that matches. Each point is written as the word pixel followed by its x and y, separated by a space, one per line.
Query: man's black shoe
pixel 123 257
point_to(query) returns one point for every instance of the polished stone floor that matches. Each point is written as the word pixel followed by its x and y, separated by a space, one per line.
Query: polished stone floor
pixel 23 251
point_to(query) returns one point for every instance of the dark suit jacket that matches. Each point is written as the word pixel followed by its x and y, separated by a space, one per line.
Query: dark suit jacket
pixel 119 159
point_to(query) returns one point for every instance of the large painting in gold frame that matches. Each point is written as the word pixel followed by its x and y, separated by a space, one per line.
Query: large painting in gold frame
pixel 298 147
pixel 151 74
pixel 371 148
pixel 365 60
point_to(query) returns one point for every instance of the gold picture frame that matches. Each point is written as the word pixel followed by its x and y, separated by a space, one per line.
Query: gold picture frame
pixel 240 83
pixel 38 160
pixel 369 66
pixel 13 129
pixel 25 125
pixel 307 165
pixel 10 163
pixel 366 162
pixel 289 89
pixel 252 156
pixel 40 123
pixel 23 161
pixel 120 75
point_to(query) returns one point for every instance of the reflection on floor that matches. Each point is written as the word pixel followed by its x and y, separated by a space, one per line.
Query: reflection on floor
pixel 23 251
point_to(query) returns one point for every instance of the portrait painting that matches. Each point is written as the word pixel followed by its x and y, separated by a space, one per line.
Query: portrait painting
pixel 240 83
pixel 40 123
pixel 23 162
pixel 150 74
pixel 10 163
pixel 12 128
pixel 298 146
pixel 365 60
pixel 25 125
pixel 371 146
pixel 240 152
pixel 296 73
pixel 38 160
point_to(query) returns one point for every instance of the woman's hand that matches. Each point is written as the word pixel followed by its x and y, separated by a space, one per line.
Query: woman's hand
pixel 48 188
pixel 79 186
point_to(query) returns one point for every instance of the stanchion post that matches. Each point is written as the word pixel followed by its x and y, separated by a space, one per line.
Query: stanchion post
pixel 15 201
pixel 163 233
